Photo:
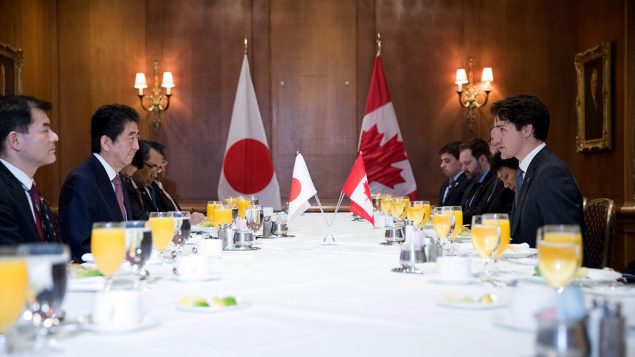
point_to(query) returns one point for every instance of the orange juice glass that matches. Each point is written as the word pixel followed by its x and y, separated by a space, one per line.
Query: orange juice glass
pixel 15 285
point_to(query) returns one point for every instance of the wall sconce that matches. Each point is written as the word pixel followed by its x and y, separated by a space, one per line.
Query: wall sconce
pixel 472 97
pixel 156 98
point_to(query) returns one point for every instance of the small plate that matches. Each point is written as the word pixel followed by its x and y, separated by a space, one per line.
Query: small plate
pixel 242 249
pixel 520 253
pixel 145 323
pixel 506 321
pixel 194 279
pixel 241 304
pixel 405 270
pixel 447 301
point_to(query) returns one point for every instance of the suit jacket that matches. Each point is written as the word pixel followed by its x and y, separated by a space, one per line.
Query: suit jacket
pixel 163 201
pixel 16 218
pixel 135 197
pixel 87 197
pixel 477 197
pixel 456 192
pixel 549 195
pixel 500 199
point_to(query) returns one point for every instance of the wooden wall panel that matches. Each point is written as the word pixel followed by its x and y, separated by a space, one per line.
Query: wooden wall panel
pixel 313 47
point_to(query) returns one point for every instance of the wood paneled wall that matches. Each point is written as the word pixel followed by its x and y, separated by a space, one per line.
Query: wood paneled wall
pixel 311 63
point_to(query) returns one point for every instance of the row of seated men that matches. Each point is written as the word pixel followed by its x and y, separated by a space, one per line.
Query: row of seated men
pixel 117 182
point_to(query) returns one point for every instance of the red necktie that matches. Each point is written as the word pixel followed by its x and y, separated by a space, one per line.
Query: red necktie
pixel 119 193
pixel 35 199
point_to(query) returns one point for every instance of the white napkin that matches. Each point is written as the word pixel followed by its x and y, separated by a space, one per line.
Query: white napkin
pixel 93 283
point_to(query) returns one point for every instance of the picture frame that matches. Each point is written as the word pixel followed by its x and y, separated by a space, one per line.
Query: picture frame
pixel 11 63
pixel 593 102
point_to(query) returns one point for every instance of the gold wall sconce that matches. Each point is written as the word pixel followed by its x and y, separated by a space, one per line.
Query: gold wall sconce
pixel 157 102
pixel 472 96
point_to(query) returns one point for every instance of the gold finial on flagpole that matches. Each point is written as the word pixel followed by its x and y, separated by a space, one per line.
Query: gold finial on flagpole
pixel 378 44
pixel 245 45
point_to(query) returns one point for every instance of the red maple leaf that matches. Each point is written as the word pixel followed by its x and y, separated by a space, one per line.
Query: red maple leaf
pixel 379 158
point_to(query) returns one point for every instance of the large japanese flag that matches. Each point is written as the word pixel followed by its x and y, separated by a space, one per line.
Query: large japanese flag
pixel 247 166
pixel 356 188
pixel 302 188
pixel 380 142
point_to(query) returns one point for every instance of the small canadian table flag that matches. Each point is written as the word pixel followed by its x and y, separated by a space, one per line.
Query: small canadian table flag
pixel 357 189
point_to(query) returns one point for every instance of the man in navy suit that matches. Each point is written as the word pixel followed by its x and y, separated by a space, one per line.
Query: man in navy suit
pixel 546 192
pixel 452 190
pixel 93 192
pixel 27 142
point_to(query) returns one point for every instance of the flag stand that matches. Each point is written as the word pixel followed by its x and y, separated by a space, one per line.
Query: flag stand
pixel 328 226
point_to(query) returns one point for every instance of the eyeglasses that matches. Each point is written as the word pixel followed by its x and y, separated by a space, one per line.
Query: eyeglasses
pixel 155 168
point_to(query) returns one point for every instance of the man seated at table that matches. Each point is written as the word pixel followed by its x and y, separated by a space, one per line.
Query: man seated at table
pixel 27 142
pixel 452 190
pixel 93 192
pixel 501 199
pixel 546 192
pixel 475 162
pixel 137 207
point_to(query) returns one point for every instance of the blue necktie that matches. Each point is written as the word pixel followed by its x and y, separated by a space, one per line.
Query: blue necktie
pixel 519 179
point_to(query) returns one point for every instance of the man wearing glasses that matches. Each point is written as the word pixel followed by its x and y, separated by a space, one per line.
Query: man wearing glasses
pixel 148 163
pixel 93 192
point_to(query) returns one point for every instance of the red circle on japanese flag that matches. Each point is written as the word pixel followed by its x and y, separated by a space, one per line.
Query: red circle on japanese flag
pixel 248 167
pixel 296 188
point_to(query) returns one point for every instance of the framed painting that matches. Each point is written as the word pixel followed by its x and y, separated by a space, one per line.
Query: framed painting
pixel 11 62
pixel 593 102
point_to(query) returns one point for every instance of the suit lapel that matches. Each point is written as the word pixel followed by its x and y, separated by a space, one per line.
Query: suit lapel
pixel 105 186
pixel 529 176
pixel 18 193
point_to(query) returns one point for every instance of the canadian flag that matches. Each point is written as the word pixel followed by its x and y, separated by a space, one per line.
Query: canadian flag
pixel 380 142
pixel 247 165
pixel 357 189
pixel 301 188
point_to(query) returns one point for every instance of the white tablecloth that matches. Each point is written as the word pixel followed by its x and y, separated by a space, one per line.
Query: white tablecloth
pixel 307 299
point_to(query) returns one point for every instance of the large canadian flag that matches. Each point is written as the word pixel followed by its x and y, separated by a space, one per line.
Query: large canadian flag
pixel 302 188
pixel 380 142
pixel 357 189
pixel 247 165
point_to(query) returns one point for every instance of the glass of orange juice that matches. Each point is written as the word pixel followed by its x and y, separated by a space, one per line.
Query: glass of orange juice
pixel 558 254
pixel 163 225
pixel 443 223
pixel 108 246
pixel 242 205
pixel 565 233
pixel 211 206
pixel 385 204
pixel 486 237
pixel 14 292
pixel 415 213
pixel 222 215
pixel 503 222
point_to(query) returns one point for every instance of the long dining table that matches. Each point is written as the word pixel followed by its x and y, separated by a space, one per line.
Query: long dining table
pixel 300 297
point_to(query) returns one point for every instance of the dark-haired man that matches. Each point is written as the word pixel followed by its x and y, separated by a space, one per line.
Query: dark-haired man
pixel 452 190
pixel 93 192
pixel 546 192
pixel 27 142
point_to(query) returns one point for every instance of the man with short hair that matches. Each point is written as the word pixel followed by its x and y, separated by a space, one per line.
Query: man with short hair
pixel 452 190
pixel 27 142
pixel 475 161
pixel 93 192
pixel 546 192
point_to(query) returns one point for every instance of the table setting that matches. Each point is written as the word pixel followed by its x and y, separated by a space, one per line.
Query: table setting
pixel 305 298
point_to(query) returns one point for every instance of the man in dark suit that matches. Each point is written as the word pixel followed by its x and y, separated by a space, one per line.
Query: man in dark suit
pixel 452 190
pixel 27 142
pixel 546 192
pixel 475 159
pixel 93 192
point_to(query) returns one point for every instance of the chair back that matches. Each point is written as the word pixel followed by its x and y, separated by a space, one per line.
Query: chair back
pixel 599 224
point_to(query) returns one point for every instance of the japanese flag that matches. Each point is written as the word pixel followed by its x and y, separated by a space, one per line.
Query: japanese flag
pixel 301 188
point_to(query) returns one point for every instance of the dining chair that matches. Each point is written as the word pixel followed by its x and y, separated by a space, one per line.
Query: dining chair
pixel 599 224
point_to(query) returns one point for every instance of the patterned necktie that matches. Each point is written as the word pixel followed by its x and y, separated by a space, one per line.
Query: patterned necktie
pixel 520 174
pixel 37 209
pixel 447 190
pixel 119 193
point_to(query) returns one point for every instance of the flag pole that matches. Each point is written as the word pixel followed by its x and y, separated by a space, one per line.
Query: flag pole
pixel 337 207
pixel 328 226
pixel 245 45
pixel 378 44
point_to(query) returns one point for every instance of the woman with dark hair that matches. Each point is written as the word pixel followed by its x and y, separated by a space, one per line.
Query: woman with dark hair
pixel 505 170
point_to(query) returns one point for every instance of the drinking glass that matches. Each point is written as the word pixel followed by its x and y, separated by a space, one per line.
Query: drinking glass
pixel 183 229
pixel 254 200
pixel 108 245
pixel 376 197
pixel 557 259
pixel 566 233
pixel 416 214
pixel 443 222
pixel 163 230
pixel 385 204
pixel 397 208
pixel 503 222
pixel 211 207
pixel 254 217
pixel 457 211
pixel 46 264
pixel 426 212
pixel 486 237
pixel 222 215
pixel 13 294
pixel 138 246
pixel 242 204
